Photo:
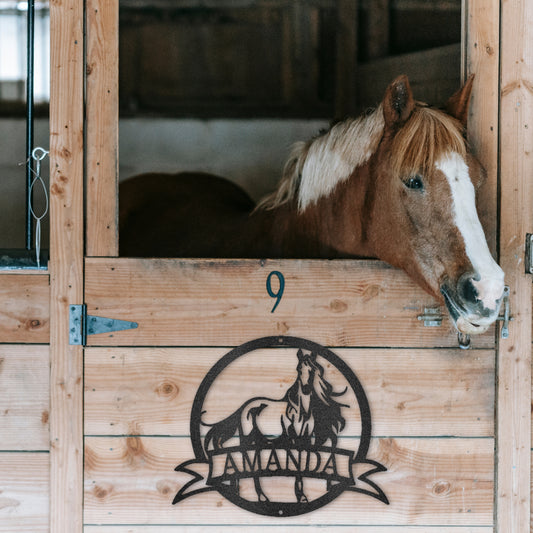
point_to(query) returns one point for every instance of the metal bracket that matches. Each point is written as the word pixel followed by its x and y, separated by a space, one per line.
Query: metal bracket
pixel 81 325
pixel 529 253
pixel 464 339
pixel 506 317
pixel 432 317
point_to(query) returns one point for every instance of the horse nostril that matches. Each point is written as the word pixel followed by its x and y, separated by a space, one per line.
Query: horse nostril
pixel 467 289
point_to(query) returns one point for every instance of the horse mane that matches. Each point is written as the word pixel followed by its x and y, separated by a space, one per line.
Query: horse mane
pixel 325 410
pixel 316 167
pixel 428 134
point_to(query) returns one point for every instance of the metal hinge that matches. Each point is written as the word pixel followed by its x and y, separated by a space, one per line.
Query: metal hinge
pixel 529 253
pixel 81 325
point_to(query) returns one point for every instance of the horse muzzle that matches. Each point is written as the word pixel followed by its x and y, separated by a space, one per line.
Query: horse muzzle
pixel 474 303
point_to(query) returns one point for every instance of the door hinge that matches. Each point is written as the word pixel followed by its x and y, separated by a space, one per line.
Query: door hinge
pixel 81 325
pixel 529 253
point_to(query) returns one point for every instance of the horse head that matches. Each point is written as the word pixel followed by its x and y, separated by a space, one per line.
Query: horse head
pixel 306 369
pixel 422 214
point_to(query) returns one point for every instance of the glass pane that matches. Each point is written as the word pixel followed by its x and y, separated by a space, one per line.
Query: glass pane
pixel 13 71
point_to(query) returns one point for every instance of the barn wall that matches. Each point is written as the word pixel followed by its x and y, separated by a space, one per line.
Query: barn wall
pixel 24 403
pixel 251 152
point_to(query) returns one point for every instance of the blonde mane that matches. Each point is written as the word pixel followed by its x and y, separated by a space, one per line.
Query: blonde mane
pixel 428 135
pixel 316 167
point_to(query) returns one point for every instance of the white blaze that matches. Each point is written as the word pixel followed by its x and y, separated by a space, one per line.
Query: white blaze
pixel 491 283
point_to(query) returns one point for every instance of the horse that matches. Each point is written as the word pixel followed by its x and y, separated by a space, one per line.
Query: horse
pixel 398 184
pixel 307 415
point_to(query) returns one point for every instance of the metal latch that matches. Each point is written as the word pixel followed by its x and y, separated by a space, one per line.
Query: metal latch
pixel 464 339
pixel 506 317
pixel 81 325
pixel 432 317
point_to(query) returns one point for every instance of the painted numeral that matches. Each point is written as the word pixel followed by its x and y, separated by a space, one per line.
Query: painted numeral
pixel 281 287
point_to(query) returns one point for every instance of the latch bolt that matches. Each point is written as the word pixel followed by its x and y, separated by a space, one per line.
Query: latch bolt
pixel 506 317
pixel 432 317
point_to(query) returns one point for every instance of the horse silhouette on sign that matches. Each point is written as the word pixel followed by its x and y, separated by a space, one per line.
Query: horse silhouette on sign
pixel 307 415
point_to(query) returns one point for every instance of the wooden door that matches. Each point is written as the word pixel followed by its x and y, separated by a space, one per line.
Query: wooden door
pixel 422 409
pixel 431 410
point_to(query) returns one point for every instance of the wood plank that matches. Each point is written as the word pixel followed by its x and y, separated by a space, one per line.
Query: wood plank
pixel 429 482
pixel 225 303
pixel 378 28
pixel 411 392
pixel 516 213
pixel 346 63
pixel 102 128
pixel 24 308
pixel 434 75
pixel 24 489
pixel 482 53
pixel 302 78
pixel 291 529
pixel 24 401
pixel 66 265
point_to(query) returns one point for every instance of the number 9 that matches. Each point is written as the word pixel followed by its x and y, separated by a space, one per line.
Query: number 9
pixel 281 288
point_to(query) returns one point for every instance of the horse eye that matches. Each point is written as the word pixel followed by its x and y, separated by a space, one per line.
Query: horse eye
pixel 414 182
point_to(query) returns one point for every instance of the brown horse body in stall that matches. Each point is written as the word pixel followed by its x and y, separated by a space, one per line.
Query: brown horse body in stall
pixel 397 184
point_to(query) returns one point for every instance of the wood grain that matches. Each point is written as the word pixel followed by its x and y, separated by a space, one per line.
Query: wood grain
pixel 411 392
pixel 516 212
pixel 24 400
pixel 102 128
pixel 428 482
pixel 24 492
pixel 433 75
pixel 268 529
pixel 346 64
pixel 482 53
pixel 24 308
pixel 378 28
pixel 225 303
pixel 66 265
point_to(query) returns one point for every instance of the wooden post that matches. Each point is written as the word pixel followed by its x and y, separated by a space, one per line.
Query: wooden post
pixel 514 359
pixel 66 264
pixel 302 77
pixel 345 94
pixel 102 128
pixel 378 28
pixel 481 20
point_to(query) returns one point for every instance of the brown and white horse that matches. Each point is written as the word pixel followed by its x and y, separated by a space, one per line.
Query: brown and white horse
pixel 398 184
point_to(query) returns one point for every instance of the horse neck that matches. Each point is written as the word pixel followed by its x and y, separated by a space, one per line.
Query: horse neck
pixel 304 398
pixel 333 226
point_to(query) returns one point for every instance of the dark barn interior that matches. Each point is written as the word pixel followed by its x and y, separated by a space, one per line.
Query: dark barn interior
pixel 279 58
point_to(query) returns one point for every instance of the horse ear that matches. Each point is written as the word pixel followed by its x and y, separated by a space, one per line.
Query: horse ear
pixel 300 354
pixel 457 105
pixel 398 103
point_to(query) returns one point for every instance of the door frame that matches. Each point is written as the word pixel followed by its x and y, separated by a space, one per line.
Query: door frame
pixel 84 147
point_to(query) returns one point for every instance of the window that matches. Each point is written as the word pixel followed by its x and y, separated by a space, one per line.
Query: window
pixel 13 37
pixel 13 74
